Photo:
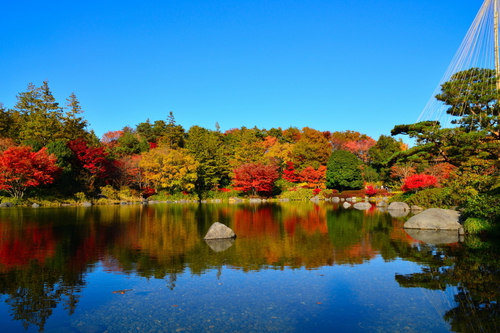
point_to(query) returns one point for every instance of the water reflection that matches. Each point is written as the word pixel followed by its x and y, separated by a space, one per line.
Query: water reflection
pixel 472 271
pixel 46 254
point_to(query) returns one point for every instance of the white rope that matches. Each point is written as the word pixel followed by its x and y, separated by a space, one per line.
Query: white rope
pixel 476 50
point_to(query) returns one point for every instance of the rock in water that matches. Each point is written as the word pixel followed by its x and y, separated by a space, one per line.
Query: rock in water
pixel 435 219
pixel 399 206
pixel 219 231
pixel 362 205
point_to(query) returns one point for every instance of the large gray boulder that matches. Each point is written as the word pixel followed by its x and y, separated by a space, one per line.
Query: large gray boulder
pixel 6 204
pixel 435 219
pixel 219 231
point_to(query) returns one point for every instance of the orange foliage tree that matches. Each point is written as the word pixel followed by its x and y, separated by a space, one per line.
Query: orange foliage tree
pixel 312 177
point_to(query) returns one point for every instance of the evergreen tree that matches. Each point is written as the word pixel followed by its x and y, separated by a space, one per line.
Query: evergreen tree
pixel 74 126
pixel 208 149
pixel 39 116
pixel 343 171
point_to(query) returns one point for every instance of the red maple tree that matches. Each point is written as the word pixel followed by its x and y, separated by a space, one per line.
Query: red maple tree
pixel 419 182
pixel 93 161
pixel 290 174
pixel 21 168
pixel 255 178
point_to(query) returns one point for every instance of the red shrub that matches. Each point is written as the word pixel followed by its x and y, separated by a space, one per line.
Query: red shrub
pixel 419 182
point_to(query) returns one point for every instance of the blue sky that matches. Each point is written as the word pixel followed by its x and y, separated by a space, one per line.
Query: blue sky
pixel 362 65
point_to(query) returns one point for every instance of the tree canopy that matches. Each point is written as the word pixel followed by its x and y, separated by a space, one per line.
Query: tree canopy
pixel 343 171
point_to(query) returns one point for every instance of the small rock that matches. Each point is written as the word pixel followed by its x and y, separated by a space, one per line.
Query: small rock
pixel 362 205
pixel 399 206
pixel 219 231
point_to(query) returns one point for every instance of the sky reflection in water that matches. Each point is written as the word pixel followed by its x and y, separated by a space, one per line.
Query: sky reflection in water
pixel 294 267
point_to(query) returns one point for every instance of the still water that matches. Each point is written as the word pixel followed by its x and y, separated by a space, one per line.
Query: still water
pixel 294 267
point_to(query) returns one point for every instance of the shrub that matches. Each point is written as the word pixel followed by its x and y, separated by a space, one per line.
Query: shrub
pixel 126 193
pixel 370 191
pixel 80 197
pixel 109 192
pixel 418 182
pixel 433 197
pixel 147 192
pixel 353 193
pixel 483 206
pixel 329 193
pixel 297 194
pixel 222 193
pixel 476 226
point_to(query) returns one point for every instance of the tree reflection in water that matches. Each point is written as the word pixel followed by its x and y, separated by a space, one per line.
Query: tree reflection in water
pixel 46 255
pixel 472 271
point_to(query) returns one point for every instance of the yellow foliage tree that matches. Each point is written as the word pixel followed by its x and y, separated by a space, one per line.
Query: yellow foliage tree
pixel 171 169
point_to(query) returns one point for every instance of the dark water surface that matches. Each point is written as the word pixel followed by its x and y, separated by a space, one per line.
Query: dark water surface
pixel 295 267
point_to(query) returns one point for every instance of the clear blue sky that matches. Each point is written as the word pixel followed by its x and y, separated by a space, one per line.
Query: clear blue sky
pixel 362 65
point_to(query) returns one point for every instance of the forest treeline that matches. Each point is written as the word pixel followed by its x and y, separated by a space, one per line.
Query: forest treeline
pixel 47 151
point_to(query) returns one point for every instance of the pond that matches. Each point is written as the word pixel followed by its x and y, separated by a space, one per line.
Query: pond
pixel 294 267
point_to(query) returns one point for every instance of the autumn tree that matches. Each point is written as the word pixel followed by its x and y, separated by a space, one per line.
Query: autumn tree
pixel 279 154
pixel 442 171
pixel 170 169
pixel 343 171
pixel 338 140
pixel 21 168
pixel 129 172
pixel 244 146
pixel 313 178
pixel 255 178
pixel 91 163
pixel 292 135
pixel 361 148
pixel 402 171
pixel 312 149
pixel 290 174
pixel 110 139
